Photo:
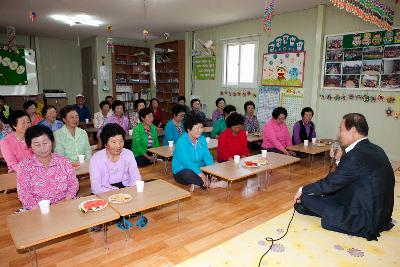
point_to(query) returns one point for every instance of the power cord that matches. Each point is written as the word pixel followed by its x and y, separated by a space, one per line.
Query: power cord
pixel 270 239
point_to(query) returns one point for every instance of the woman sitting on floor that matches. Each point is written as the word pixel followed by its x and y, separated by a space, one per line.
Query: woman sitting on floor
pixel 118 117
pixel 250 120
pixel 144 136
pixel 191 152
pixel 100 116
pixel 218 113
pixel 232 141
pixel 13 146
pixel 44 175
pixel 134 115
pixel 174 128
pixel 50 118
pixel 276 134
pixel 114 166
pixel 220 125
pixel 30 108
pixel 71 140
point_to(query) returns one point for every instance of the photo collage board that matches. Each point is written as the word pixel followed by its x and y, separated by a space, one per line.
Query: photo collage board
pixel 365 60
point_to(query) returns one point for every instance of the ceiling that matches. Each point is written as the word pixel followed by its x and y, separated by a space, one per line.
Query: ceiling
pixel 127 16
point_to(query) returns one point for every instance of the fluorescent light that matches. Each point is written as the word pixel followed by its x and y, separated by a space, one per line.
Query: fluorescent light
pixel 81 19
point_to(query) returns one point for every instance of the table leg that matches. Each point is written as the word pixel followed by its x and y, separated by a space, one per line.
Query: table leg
pixel 128 231
pixel 228 190
pixel 178 210
pixel 165 166
pixel 105 236
pixel 33 256
pixel 155 161
pixel 312 158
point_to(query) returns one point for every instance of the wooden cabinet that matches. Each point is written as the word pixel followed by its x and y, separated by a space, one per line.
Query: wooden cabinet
pixel 170 74
pixel 131 74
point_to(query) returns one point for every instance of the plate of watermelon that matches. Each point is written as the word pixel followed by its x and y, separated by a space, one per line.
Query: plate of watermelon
pixel 92 205
pixel 251 164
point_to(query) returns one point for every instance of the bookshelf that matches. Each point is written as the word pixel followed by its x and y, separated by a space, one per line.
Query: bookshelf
pixel 131 74
pixel 170 74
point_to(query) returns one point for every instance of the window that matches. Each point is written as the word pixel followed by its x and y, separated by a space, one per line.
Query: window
pixel 240 62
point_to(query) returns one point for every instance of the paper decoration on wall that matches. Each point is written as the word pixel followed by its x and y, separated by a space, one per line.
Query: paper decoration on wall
pixel 268 99
pixel 372 11
pixel 238 92
pixel 11 39
pixel 12 67
pixel 206 48
pixel 283 69
pixel 286 43
pixel 369 60
pixel 268 12
pixel 294 105
pixel 204 68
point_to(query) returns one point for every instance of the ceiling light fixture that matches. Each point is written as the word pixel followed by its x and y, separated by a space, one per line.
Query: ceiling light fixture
pixel 80 19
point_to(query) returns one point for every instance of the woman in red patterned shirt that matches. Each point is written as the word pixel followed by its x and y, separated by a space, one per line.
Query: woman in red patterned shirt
pixel 44 175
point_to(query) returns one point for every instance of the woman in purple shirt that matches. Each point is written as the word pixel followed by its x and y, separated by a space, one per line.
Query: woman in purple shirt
pixel 114 166
pixel 304 129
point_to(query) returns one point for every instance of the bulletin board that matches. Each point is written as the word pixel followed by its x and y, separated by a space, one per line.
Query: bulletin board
pixel 368 60
pixel 268 99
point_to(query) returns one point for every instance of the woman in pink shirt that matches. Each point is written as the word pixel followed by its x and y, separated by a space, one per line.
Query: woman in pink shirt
pixel 13 146
pixel 45 175
pixel 276 134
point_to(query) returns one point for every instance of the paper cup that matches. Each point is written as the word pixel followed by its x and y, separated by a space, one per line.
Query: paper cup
pixel 208 139
pixel 81 158
pixel 170 143
pixel 130 132
pixel 236 158
pixel 264 153
pixel 44 206
pixel 247 133
pixel 87 120
pixel 306 142
pixel 314 140
pixel 139 186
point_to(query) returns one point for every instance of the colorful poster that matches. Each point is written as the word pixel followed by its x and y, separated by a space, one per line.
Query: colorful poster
pixel 283 69
pixel 12 67
pixel 366 39
pixel 286 43
pixel 204 68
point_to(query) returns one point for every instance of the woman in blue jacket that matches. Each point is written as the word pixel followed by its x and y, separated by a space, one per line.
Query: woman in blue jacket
pixel 191 153
pixel 174 128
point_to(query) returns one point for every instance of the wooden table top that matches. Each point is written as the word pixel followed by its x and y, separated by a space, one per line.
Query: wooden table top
pixel 254 137
pixel 31 228
pixel 310 149
pixel 91 130
pixel 167 152
pixel 83 168
pixel 155 193
pixel 230 171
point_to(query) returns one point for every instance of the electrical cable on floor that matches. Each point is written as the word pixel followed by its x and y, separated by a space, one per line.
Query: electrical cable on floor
pixel 270 239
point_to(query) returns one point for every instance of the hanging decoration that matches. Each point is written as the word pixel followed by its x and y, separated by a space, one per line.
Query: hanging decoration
pixel 109 28
pixel 145 34
pixel 145 31
pixel 372 11
pixel 32 15
pixel 11 44
pixel 166 36
pixel 110 45
pixel 268 12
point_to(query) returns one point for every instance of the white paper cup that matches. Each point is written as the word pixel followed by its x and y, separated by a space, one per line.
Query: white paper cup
pixel 81 158
pixel 170 143
pixel 130 131
pixel 208 139
pixel 87 120
pixel 139 186
pixel 247 133
pixel 314 140
pixel 44 206
pixel 306 142
pixel 264 153
pixel 236 158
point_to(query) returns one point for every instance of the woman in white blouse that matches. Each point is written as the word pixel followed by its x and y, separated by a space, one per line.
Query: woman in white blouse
pixel 101 116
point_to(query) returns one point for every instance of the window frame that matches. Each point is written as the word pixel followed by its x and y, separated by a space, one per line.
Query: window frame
pixel 240 41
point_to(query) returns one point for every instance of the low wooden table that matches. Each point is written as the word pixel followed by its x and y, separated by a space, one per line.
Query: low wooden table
pixel 254 137
pixel 166 152
pixel 31 228
pixel 155 193
pixel 311 150
pixel 232 172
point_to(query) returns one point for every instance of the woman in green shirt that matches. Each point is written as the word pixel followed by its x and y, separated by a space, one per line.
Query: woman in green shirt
pixel 144 136
pixel 71 141
pixel 220 125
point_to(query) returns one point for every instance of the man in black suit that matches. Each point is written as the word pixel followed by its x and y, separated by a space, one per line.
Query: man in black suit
pixel 357 198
